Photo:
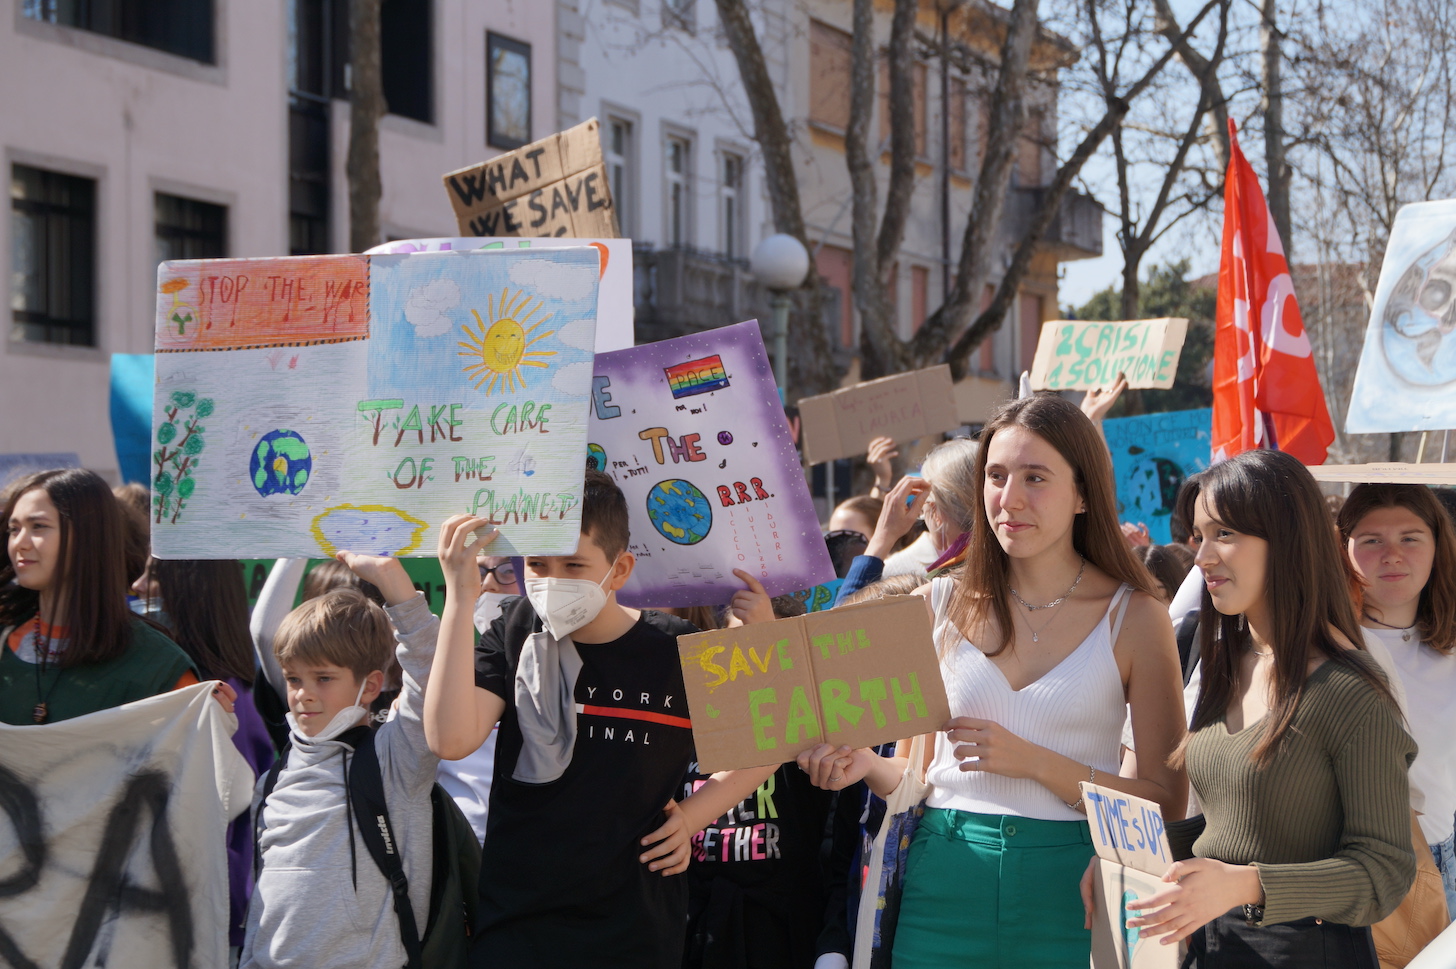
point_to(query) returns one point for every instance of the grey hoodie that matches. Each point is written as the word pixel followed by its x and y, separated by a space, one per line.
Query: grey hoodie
pixel 306 911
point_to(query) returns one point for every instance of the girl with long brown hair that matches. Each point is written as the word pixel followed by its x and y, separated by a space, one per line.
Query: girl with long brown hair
pixel 71 646
pixel 1403 548
pixel 1049 634
pixel 1296 748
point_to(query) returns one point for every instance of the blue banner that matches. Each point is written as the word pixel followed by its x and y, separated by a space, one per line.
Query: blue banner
pixel 1152 455
pixel 132 379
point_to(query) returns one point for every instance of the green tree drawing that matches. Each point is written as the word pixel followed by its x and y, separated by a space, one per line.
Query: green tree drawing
pixel 177 459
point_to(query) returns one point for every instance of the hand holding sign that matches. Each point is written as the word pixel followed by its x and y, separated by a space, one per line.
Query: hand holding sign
pixel 1199 891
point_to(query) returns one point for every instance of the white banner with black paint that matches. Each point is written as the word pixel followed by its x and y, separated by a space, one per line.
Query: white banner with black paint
pixel 112 836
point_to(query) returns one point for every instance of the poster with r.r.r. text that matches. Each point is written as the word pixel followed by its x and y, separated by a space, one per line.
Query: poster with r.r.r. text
pixel 693 433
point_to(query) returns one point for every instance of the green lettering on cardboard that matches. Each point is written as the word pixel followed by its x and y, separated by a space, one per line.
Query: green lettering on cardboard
pixel 756 699
pixel 801 716
pixel 904 700
pixel 873 693
pixel 834 698
pixel 822 642
pixel 766 807
pixel 786 662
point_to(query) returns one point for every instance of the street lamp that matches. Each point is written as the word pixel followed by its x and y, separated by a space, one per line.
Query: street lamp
pixel 780 262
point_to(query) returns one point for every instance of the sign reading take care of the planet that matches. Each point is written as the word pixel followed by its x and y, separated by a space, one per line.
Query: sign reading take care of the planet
pixel 311 404
pixel 692 431
pixel 1079 355
pixel 859 675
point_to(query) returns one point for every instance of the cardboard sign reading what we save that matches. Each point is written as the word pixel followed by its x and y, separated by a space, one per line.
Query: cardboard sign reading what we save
pixel 861 675
pixel 553 187
pixel 1080 355
pixel 903 407
pixel 1132 855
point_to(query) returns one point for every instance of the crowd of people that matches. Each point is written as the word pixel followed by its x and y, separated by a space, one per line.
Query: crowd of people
pixel 1278 679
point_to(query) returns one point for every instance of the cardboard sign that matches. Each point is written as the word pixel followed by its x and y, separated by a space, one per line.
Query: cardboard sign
pixel 1133 853
pixel 903 407
pixel 692 431
pixel 1074 355
pixel 1152 455
pixel 557 186
pixel 1406 380
pixel 615 311
pixel 861 675
pixel 311 404
pixel 1394 473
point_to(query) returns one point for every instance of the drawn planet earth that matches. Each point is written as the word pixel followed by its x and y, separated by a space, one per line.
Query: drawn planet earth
pixel 679 511
pixel 368 530
pixel 1151 489
pixel 281 464
pixel 596 457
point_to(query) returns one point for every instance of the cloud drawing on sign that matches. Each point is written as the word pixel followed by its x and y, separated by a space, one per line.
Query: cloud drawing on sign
pixel 555 280
pixel 428 305
pixel 579 334
pixel 574 378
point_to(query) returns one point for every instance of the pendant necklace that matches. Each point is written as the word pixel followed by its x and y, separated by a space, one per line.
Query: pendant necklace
pixel 41 711
pixel 1405 631
pixel 1036 633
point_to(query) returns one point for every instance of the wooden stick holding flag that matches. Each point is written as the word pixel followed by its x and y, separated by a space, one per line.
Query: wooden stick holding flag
pixel 1266 391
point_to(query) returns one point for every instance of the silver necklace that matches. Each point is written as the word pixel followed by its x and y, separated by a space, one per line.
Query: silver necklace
pixel 1035 633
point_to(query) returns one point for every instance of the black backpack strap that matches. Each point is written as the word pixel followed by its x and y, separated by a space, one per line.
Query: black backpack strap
pixel 366 786
pixel 269 782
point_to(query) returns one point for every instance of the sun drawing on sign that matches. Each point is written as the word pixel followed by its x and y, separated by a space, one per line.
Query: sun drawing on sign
pixel 503 347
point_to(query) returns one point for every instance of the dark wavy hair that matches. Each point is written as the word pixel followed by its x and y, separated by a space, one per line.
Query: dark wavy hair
pixel 91 576
pixel 981 591
pixel 207 604
pixel 1436 610
pixel 1271 495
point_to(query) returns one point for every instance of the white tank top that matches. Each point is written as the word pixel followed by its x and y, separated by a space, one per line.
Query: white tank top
pixel 1077 709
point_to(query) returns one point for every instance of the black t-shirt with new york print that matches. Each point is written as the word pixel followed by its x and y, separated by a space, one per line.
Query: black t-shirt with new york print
pixel 560 883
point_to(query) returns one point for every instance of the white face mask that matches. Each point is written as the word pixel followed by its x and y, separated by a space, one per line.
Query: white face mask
pixel 565 605
pixel 346 719
pixel 488 609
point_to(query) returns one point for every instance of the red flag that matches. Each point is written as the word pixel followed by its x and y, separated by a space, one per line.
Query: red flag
pixel 1266 392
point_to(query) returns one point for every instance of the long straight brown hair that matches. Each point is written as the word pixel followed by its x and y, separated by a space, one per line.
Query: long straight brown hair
pixel 983 589
pixel 207 605
pixel 1271 495
pixel 1436 610
pixel 90 571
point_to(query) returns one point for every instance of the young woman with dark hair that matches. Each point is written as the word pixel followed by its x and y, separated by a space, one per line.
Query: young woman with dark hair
pixel 205 603
pixel 1403 548
pixel 71 645
pixel 1048 635
pixel 1296 748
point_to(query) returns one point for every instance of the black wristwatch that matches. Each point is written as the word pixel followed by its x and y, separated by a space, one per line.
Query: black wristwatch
pixel 1253 914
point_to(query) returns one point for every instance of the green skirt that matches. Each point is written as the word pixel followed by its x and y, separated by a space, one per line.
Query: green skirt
pixel 990 891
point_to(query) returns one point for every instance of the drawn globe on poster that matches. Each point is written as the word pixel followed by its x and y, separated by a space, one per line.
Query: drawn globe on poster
pixel 596 457
pixel 281 463
pixel 679 511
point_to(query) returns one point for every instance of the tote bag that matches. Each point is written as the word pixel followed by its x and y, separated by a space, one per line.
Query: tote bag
pixel 879 905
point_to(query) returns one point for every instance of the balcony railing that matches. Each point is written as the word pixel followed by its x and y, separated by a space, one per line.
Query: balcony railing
pixel 1075 233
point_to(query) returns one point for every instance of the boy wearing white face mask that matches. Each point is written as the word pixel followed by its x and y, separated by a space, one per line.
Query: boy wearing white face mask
pixel 585 841
pixel 321 900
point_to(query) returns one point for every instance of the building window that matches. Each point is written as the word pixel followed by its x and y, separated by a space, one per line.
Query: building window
pixel 1028 152
pixel 507 92
pixel 52 257
pixel 680 14
pixel 955 150
pixel 829 66
pixel 181 27
pixel 406 46
pixel 621 152
pixel 919 296
pixel 188 229
pixel 678 186
pixel 732 205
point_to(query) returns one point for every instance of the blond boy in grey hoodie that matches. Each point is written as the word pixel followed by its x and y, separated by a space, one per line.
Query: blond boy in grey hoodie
pixel 320 899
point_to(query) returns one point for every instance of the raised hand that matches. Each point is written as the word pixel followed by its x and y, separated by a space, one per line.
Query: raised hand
pixel 384 571
pixel 457 553
pixel 881 453
pixel 750 605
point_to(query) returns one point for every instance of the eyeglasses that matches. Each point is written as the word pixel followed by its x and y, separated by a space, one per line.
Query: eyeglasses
pixel 505 573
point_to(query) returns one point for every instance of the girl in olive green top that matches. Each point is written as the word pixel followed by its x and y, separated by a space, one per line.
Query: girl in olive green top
pixel 1296 748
